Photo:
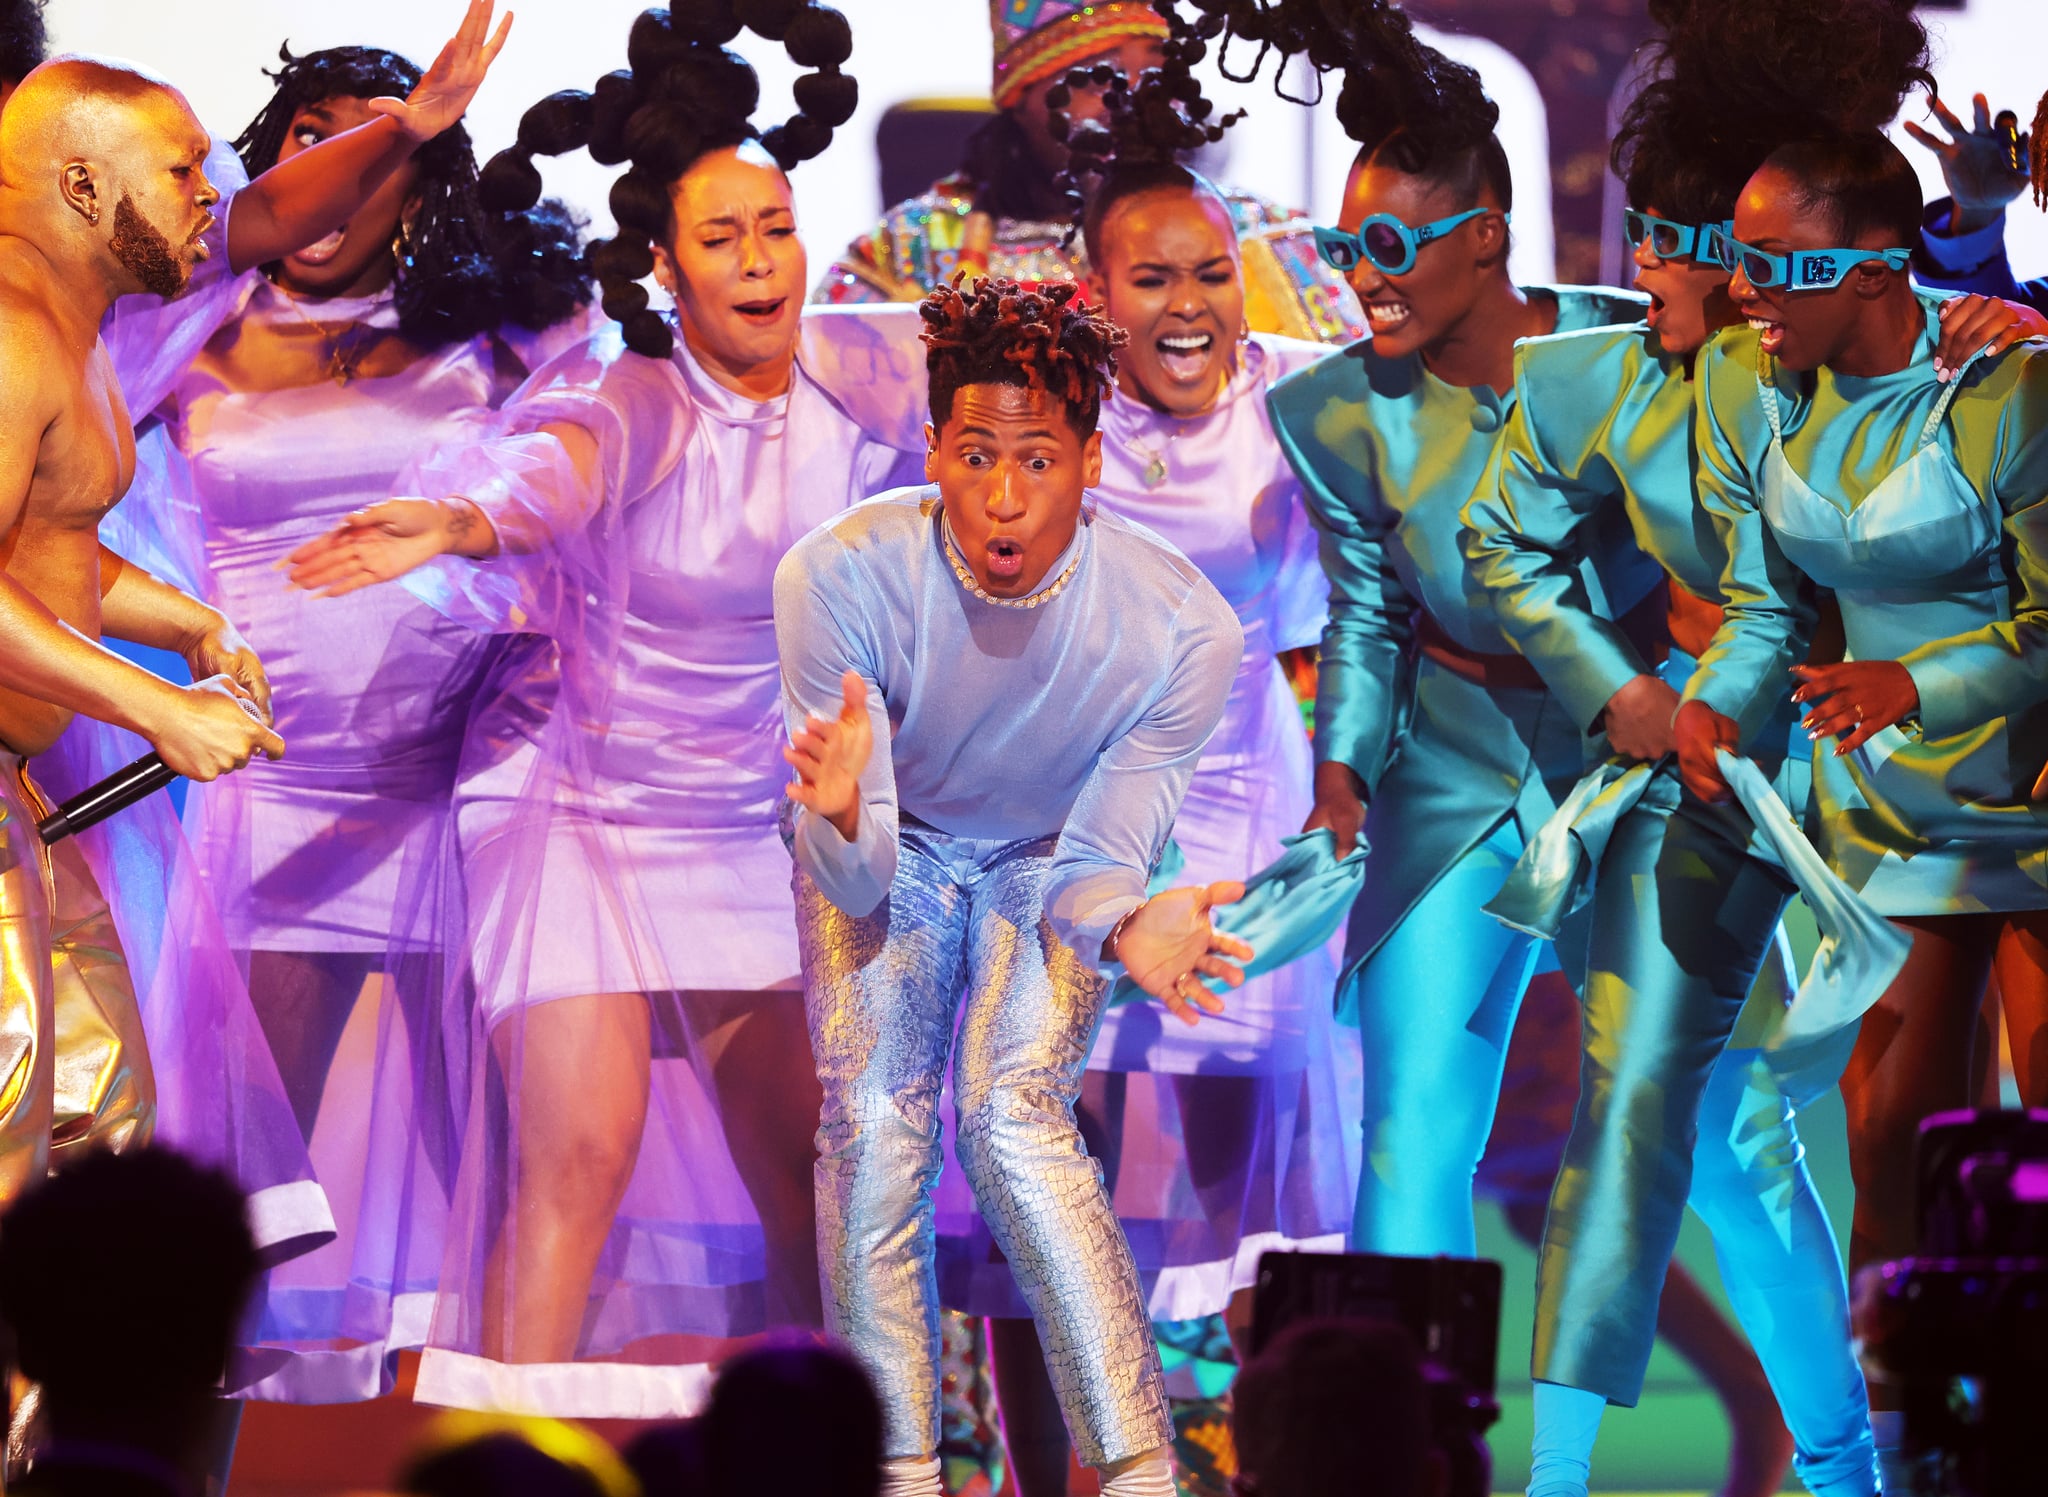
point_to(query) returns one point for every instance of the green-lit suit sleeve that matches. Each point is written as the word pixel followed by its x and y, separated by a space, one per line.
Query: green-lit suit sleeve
pixel 1361 676
pixel 1548 476
pixel 1767 610
pixel 1970 679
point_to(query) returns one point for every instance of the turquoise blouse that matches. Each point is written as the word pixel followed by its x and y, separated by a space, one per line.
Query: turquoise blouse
pixel 1933 535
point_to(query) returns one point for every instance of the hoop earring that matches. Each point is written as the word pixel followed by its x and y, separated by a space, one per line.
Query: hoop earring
pixel 401 247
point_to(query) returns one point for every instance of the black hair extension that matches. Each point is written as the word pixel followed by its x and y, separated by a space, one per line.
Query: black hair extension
pixel 1728 83
pixel 681 96
pixel 1146 130
pixel 1401 100
pixel 24 42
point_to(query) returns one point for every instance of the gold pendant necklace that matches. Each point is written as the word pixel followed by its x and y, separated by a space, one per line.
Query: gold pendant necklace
pixel 342 364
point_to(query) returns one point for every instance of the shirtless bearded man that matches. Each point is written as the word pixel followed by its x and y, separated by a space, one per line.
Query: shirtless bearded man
pixel 102 194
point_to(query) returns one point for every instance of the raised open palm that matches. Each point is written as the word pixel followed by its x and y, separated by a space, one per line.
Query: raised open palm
pixel 443 93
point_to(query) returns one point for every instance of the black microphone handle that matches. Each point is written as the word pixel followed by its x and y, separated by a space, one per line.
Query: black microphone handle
pixel 117 792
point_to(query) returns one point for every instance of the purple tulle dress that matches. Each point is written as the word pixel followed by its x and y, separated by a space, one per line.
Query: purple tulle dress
pixel 333 855
pixel 616 814
pixel 1204 1176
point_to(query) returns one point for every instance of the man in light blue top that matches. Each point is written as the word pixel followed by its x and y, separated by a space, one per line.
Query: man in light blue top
pixel 1040 679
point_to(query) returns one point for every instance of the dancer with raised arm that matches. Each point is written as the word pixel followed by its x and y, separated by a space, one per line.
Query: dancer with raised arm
pixel 997 695
pixel 337 368
pixel 636 1188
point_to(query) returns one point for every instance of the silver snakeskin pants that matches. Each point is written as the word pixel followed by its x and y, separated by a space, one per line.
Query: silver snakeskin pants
pixel 884 995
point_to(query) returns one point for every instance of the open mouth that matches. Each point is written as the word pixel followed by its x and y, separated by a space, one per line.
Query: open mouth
pixel 1005 559
pixel 1386 316
pixel 1185 356
pixel 1770 334
pixel 1656 312
pixel 761 313
pixel 320 251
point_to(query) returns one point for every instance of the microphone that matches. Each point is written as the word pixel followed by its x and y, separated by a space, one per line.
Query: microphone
pixel 117 792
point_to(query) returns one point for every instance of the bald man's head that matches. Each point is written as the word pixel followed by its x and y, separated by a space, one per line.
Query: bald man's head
pixel 103 148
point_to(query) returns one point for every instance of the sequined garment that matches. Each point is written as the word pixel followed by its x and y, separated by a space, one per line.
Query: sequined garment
pixel 917 245
pixel 1029 765
pixel 883 999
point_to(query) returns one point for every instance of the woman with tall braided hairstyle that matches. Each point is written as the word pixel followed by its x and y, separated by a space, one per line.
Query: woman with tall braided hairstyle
pixel 630 938
pixel 336 367
pixel 1222 1141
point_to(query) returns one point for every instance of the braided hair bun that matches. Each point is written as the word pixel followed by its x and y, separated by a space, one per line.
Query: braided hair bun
pixel 1730 83
pixel 995 332
pixel 1401 100
pixel 1146 131
pixel 682 96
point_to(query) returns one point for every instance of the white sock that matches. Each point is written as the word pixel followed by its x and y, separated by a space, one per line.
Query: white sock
pixel 1147 1475
pixel 1561 1458
pixel 917 1476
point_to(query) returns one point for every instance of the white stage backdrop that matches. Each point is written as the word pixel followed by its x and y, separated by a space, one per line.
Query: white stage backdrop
pixel 904 49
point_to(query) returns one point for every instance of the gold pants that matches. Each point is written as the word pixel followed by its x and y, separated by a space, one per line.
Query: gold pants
pixel 74 1068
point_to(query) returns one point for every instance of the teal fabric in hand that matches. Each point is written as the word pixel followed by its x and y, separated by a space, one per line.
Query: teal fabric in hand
pixel 1290 907
pixel 1860 951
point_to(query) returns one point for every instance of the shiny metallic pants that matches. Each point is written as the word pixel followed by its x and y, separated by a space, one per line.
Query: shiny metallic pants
pixel 884 996
pixel 1670 1110
pixel 76 1071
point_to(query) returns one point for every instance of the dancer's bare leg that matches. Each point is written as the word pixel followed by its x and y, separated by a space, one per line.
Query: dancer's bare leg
pixel 753 1051
pixel 303 1000
pixel 2022 967
pixel 580 1066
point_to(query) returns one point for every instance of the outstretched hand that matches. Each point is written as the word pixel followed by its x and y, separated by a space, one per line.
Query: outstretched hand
pixel 1980 175
pixel 442 95
pixel 829 756
pixel 1168 944
pixel 387 540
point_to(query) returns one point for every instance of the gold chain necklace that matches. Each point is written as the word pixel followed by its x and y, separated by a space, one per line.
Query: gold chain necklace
pixel 1037 600
pixel 342 364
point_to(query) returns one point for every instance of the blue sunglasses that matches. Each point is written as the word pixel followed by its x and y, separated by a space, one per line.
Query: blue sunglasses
pixel 1672 241
pixel 1801 270
pixel 1386 243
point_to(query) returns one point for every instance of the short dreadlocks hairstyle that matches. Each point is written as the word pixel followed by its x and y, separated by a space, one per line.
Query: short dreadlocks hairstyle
pixel 463 270
pixel 682 96
pixel 1406 104
pixel 1728 83
pixel 994 332
pixel 1138 145
pixel 24 44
